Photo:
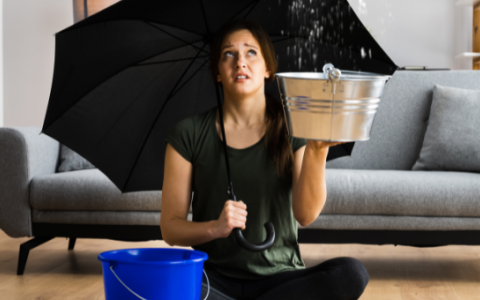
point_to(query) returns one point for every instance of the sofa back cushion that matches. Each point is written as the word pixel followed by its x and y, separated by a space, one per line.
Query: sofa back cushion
pixel 401 120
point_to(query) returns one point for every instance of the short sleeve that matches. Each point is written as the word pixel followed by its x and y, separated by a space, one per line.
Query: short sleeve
pixel 297 143
pixel 181 138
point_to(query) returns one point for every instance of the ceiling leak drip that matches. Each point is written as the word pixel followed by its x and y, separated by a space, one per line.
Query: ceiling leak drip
pixel 321 28
pixel 330 32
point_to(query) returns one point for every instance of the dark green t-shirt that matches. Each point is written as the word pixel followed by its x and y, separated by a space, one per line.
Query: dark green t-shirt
pixel 255 181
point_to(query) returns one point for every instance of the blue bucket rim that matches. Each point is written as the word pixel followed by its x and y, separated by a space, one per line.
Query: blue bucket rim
pixel 204 256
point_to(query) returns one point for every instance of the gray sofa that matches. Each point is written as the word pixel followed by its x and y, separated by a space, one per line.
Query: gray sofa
pixel 374 197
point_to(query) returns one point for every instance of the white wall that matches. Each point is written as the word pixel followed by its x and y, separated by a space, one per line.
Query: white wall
pixel 413 32
pixel 419 32
pixel 28 56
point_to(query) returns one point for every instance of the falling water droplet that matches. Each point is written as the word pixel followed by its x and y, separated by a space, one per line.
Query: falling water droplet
pixel 362 51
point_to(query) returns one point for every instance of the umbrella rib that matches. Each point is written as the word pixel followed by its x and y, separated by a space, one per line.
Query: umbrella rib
pixel 171 95
pixel 201 49
pixel 253 6
pixel 125 111
pixel 184 72
pixel 204 17
pixel 287 38
pixel 156 118
pixel 168 61
pixel 143 59
pixel 199 88
pixel 186 81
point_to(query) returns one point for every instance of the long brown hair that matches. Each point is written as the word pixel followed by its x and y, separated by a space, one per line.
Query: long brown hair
pixel 277 141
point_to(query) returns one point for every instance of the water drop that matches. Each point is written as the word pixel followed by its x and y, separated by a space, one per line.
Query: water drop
pixel 362 51
pixel 362 7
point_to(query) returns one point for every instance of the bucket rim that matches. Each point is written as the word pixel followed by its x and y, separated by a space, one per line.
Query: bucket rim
pixel 103 257
pixel 345 76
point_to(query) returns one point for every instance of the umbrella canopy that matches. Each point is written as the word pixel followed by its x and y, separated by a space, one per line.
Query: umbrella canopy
pixel 125 76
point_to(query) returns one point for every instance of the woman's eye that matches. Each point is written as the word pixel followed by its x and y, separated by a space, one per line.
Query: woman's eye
pixel 228 53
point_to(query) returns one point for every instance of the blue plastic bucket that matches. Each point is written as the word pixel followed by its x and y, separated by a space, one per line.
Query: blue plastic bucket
pixel 153 273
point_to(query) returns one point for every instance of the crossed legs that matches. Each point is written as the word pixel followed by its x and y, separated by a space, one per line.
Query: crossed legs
pixel 341 278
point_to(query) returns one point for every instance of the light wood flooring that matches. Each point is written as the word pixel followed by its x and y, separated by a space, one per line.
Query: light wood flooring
pixel 403 273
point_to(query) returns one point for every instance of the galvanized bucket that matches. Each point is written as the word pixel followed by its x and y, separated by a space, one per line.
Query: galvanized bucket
pixel 331 106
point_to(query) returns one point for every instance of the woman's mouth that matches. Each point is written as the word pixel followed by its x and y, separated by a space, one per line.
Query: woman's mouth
pixel 241 78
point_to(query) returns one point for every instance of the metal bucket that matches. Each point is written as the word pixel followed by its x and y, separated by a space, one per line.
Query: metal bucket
pixel 331 106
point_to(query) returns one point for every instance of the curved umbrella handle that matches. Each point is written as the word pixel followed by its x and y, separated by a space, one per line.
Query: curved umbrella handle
pixel 256 247
pixel 238 233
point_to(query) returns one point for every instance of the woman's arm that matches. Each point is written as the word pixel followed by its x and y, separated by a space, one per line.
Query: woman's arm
pixel 176 195
pixel 309 189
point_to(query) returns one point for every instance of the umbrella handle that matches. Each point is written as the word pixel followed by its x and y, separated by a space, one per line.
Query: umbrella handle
pixel 238 233
pixel 256 247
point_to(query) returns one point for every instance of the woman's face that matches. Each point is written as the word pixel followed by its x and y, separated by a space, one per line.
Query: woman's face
pixel 241 55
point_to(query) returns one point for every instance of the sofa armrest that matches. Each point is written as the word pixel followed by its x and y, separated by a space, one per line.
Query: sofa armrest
pixel 24 154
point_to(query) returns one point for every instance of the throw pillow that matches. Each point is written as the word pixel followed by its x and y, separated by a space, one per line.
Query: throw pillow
pixel 72 161
pixel 452 139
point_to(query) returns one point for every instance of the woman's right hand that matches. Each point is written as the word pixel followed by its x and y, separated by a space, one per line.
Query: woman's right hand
pixel 234 215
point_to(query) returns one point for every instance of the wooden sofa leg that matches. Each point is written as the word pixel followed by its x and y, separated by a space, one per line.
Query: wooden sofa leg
pixel 71 243
pixel 25 250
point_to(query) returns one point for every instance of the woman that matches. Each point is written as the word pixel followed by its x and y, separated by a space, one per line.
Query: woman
pixel 278 178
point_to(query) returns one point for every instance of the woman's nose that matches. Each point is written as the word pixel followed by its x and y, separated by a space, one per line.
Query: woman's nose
pixel 240 63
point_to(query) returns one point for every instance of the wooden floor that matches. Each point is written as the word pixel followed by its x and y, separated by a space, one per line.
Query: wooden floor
pixel 53 272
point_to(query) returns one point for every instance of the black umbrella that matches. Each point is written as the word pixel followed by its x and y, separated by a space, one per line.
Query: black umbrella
pixel 123 77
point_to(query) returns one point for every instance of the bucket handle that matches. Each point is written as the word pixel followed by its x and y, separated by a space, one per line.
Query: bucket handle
pixel 111 269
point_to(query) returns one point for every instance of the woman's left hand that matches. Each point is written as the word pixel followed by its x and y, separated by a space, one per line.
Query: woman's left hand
pixel 321 145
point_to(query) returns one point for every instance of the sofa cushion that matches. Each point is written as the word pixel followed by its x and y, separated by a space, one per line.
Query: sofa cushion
pixel 99 217
pixel 402 193
pixel 401 120
pixel 452 140
pixel 72 161
pixel 368 222
pixel 87 190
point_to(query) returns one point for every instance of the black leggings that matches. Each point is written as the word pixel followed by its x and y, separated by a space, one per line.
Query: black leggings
pixel 341 278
